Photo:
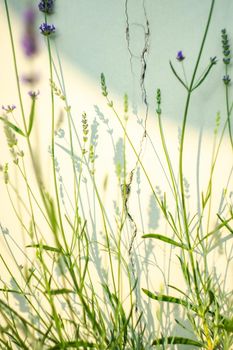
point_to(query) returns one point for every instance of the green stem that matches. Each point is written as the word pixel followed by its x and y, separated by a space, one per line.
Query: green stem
pixel 228 114
pixel 174 185
pixel 185 217
pixel 15 67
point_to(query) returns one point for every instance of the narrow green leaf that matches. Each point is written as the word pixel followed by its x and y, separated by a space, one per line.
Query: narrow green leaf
pixel 169 299
pixel 13 291
pixel 73 344
pixel 166 240
pixel 31 116
pixel 60 291
pixel 13 126
pixel 217 229
pixel 178 340
pixel 178 290
pixel 185 270
pixel 225 223
pixel 45 247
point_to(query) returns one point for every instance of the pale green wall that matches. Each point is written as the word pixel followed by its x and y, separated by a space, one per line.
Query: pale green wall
pixel 92 36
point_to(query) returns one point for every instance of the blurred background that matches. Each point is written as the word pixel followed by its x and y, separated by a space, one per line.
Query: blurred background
pixel 131 42
pixel 131 39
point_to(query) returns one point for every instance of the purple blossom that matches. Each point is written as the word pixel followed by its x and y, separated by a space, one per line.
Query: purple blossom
pixel 30 16
pixel 33 94
pixel 47 29
pixel 46 6
pixel 29 42
pixel 180 57
pixel 8 108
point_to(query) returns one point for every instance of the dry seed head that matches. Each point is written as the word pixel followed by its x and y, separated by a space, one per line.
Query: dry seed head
pixel 85 127
pixel 217 123
pixel 126 103
pixel 126 107
pixel 92 154
pixel 85 131
pixel 5 173
pixel 56 90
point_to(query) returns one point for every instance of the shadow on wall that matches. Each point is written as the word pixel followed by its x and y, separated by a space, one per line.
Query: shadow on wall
pixel 132 41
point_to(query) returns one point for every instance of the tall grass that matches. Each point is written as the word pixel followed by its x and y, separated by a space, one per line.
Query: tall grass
pixel 78 291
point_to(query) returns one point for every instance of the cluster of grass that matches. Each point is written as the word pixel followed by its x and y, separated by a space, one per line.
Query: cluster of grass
pixel 62 306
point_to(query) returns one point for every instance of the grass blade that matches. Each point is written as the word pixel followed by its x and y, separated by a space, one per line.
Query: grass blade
pixel 166 240
pixel 168 299
pixel 13 126
pixel 178 340
pixel 31 116
pixel 45 247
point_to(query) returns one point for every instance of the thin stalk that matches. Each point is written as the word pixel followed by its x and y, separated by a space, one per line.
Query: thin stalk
pixel 185 217
pixel 37 174
pixel 15 66
pixel 174 184
pixel 103 213
pixel 71 270
pixel 53 146
pixel 75 183
pixel 228 114
pixel 124 214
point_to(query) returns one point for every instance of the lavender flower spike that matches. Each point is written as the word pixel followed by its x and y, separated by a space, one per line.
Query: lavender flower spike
pixel 47 29
pixel 29 39
pixel 180 57
pixel 46 6
pixel 29 44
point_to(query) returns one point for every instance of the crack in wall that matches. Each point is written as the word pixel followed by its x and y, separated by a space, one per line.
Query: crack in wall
pixel 143 59
pixel 126 188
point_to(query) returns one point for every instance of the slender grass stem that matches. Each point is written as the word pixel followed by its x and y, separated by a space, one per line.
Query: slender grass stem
pixel 181 178
pixel 228 114
pixel 15 65
pixel 172 176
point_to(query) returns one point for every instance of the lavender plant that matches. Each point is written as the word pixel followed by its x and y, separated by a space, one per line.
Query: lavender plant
pixel 70 299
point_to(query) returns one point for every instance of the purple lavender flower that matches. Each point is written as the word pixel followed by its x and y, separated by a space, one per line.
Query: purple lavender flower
pixel 29 42
pixel 8 108
pixel 30 16
pixel 46 6
pixel 180 57
pixel 47 29
pixel 33 94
